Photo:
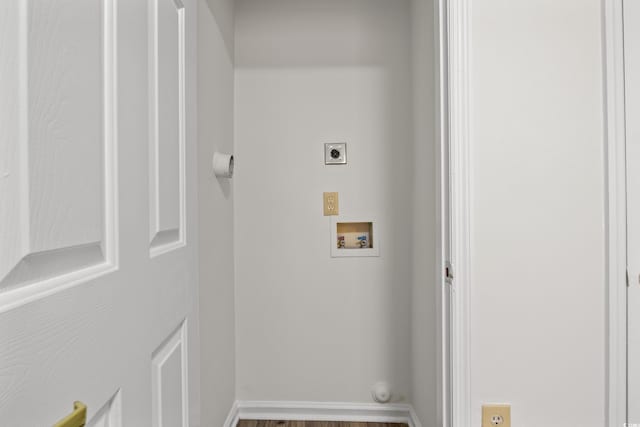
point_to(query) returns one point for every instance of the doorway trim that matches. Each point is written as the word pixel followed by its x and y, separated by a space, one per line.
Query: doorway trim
pixel 456 131
pixel 456 101
pixel 615 214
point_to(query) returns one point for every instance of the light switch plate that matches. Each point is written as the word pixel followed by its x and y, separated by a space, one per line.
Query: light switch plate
pixel 331 204
pixel 335 154
pixel 496 415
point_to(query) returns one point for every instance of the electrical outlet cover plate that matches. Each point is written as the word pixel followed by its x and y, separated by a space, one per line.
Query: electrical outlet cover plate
pixel 335 154
pixel 331 204
pixel 496 415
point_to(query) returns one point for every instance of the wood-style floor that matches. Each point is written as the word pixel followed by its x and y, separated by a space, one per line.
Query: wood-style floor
pixel 252 423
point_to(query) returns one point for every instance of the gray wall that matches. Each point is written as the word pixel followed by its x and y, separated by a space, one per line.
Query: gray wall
pixel 314 328
pixel 310 327
pixel 424 345
pixel 215 132
pixel 223 15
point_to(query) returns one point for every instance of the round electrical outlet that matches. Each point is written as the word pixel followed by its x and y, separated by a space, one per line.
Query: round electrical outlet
pixel 335 153
pixel 497 420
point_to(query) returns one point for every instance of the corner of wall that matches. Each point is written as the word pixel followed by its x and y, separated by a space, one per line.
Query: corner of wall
pixel 223 13
pixel 423 275
pixel 215 211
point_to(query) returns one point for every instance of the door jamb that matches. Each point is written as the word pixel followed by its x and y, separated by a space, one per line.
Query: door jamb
pixel 615 214
pixel 455 89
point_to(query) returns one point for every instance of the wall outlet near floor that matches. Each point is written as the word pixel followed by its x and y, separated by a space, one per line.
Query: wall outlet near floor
pixel 496 415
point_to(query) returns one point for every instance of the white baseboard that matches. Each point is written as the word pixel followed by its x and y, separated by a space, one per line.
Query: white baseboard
pixel 233 417
pixel 322 411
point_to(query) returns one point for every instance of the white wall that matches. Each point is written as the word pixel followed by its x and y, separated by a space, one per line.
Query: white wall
pixel 308 72
pixel 215 132
pixel 423 291
pixel 538 293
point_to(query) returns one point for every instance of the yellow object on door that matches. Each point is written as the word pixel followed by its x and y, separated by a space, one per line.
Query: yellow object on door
pixel 78 418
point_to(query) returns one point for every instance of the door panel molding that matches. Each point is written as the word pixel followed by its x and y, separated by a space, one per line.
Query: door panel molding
pixel 89 341
pixel 110 415
pixel 167 192
pixel 169 380
pixel 61 219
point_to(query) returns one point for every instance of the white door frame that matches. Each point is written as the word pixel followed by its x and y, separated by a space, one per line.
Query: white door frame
pixel 616 231
pixel 455 123
pixel 455 103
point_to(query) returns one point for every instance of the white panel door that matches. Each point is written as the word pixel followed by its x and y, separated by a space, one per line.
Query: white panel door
pixel 97 211
pixel 632 97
